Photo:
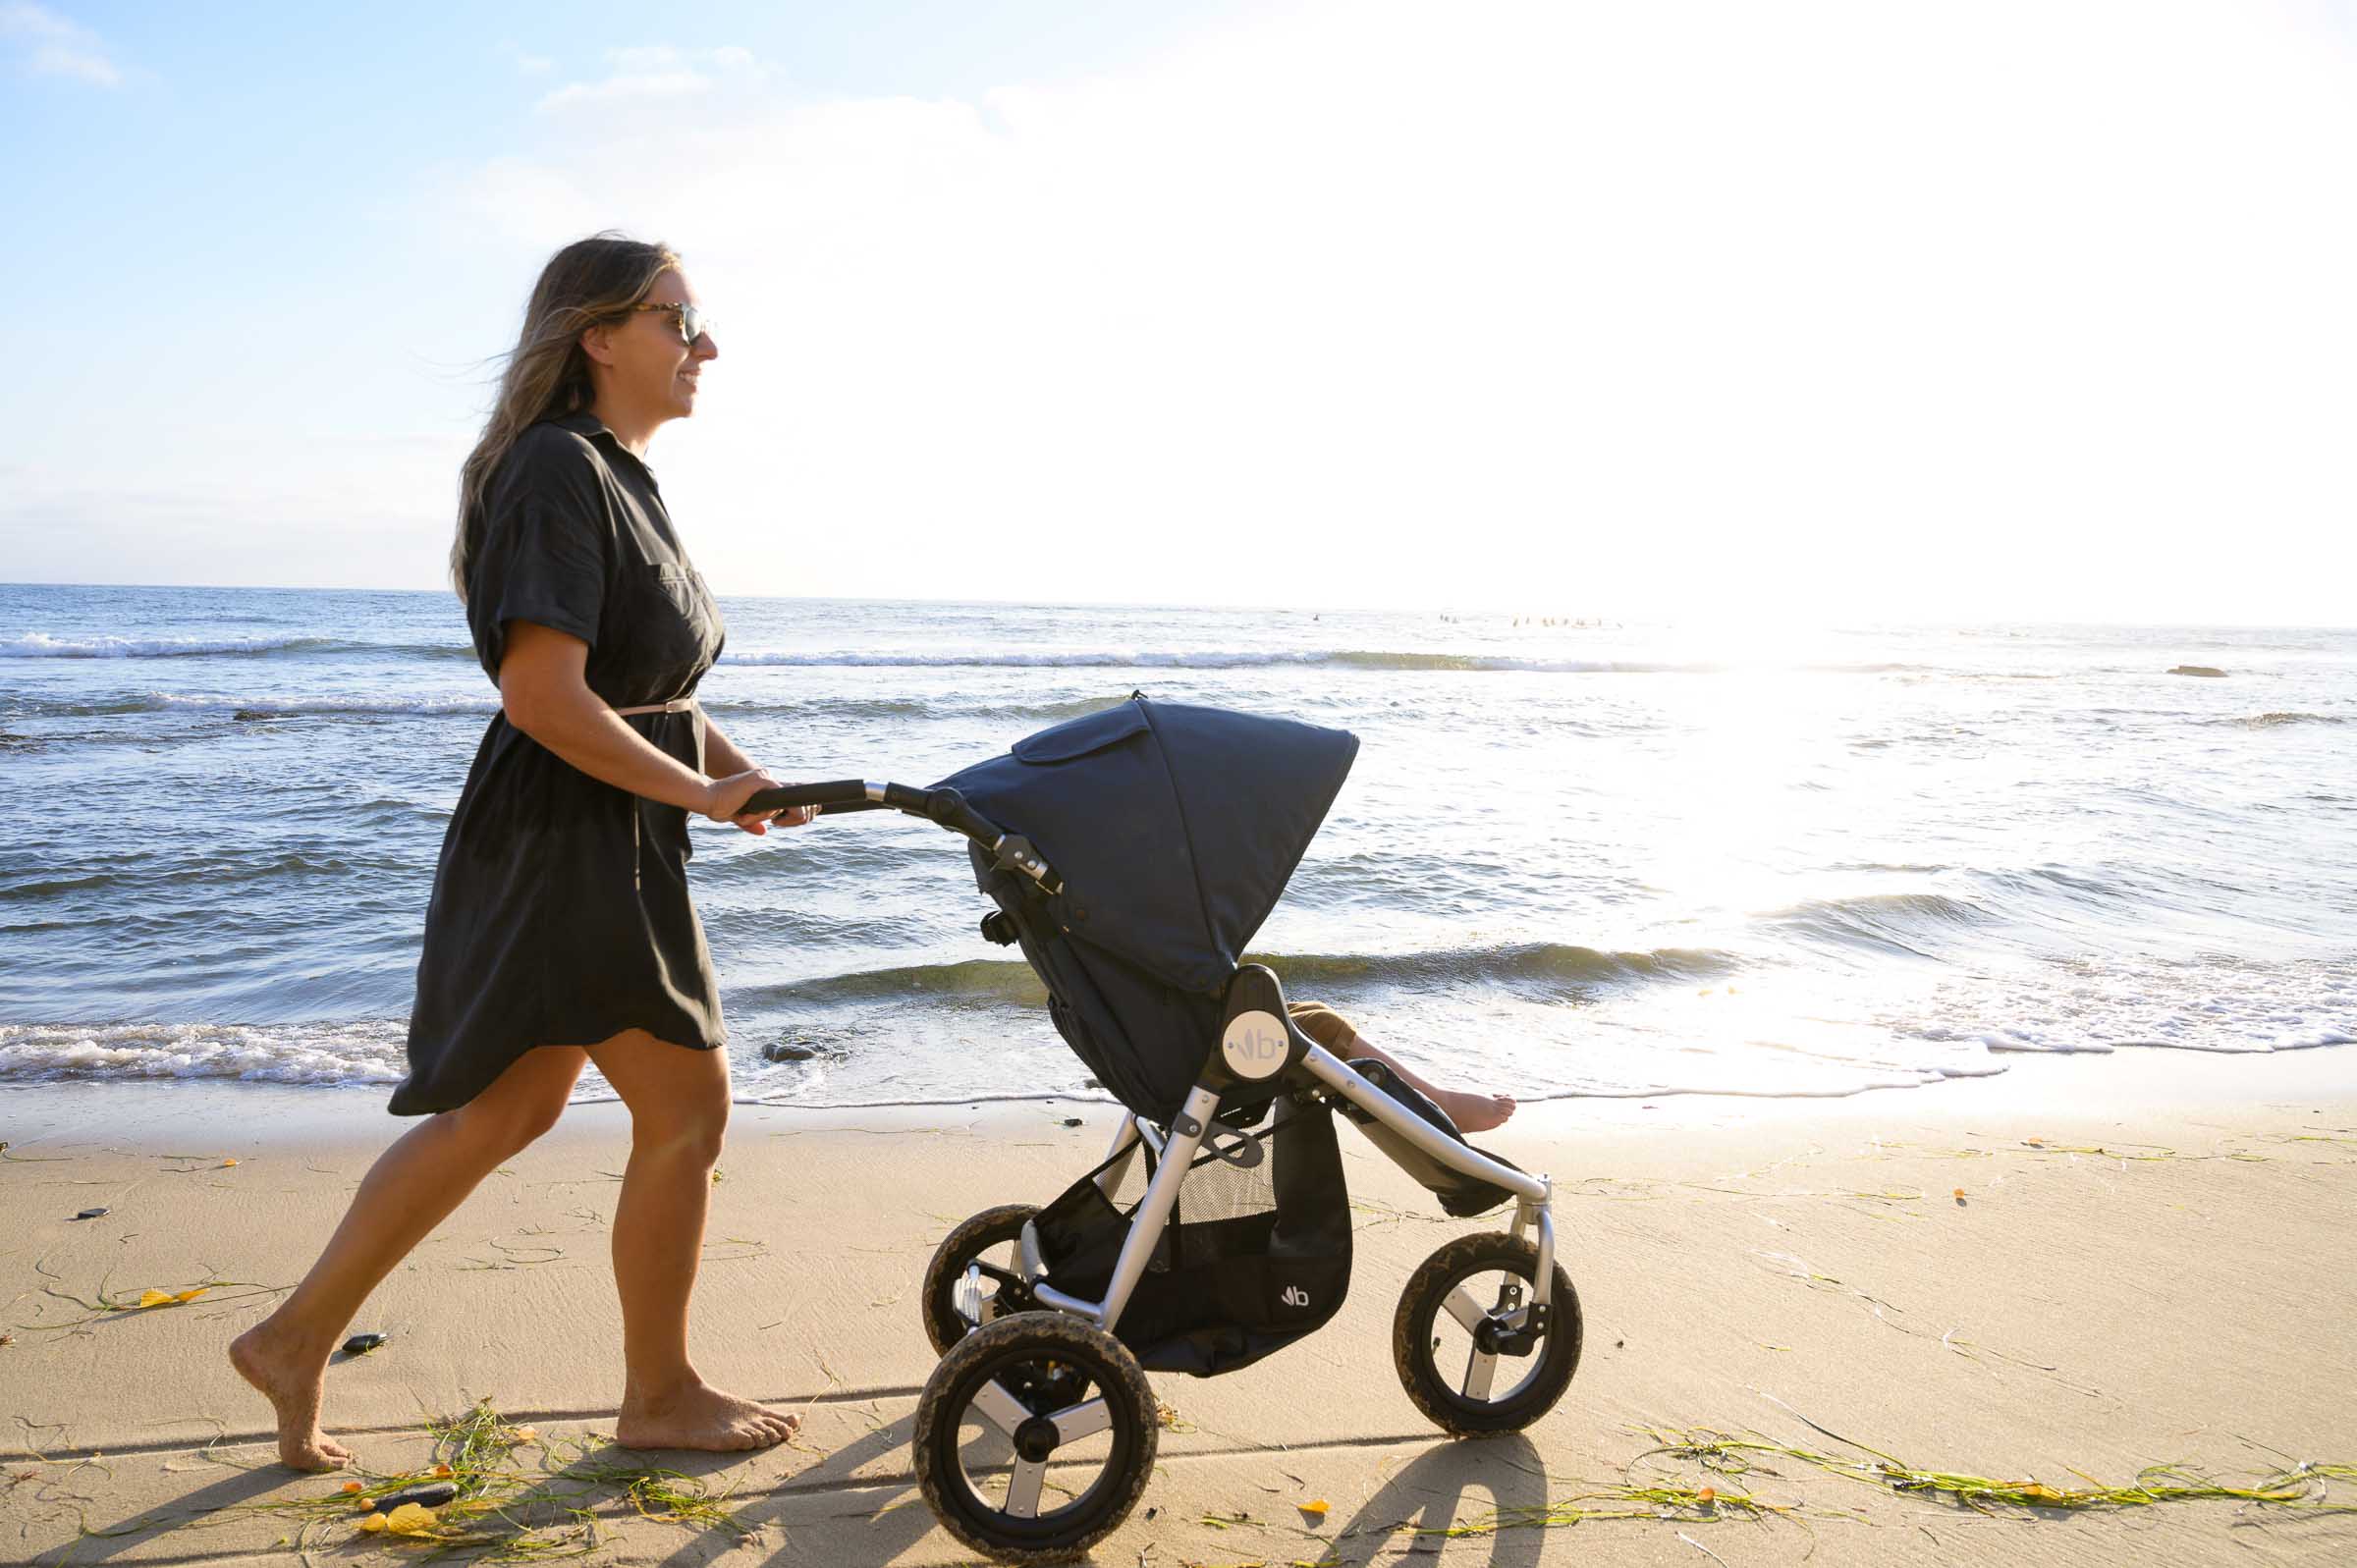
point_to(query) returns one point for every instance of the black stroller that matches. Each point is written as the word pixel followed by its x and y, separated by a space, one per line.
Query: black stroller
pixel 1132 854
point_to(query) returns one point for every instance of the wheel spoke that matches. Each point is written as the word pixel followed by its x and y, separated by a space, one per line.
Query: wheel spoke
pixel 1460 1305
pixel 1075 1422
pixel 1000 1408
pixel 1479 1367
pixel 1022 1488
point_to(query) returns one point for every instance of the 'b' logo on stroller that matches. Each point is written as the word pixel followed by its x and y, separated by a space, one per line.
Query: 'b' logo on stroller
pixel 1294 1296
pixel 1254 1043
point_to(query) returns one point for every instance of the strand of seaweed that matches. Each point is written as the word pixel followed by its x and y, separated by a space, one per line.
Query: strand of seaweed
pixel 498 1514
pixel 2306 1485
pixel 1730 1462
pixel 108 1304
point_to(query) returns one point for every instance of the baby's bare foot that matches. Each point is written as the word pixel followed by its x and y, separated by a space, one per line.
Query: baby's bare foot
pixel 1475 1112
pixel 294 1379
pixel 699 1416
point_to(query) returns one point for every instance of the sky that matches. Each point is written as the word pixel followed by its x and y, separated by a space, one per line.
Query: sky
pixel 1724 310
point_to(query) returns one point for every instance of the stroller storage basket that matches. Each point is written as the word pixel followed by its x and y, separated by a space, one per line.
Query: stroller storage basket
pixel 1255 1255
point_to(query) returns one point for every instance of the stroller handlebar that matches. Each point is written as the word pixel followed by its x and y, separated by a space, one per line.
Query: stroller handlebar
pixel 840 795
pixel 944 806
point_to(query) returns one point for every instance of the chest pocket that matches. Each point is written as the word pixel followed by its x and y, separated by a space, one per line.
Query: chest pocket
pixel 674 632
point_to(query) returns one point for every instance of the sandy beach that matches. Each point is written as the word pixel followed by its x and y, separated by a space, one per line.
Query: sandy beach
pixel 2059 1277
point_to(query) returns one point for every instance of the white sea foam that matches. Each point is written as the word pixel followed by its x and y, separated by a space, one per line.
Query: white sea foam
pixel 2103 1008
pixel 364 1052
pixel 40 645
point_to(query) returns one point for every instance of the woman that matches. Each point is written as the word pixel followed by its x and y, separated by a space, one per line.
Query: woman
pixel 559 930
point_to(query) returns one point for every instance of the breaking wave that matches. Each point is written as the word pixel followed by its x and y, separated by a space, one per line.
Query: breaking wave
pixel 1542 966
pixel 1894 921
pixel 40 645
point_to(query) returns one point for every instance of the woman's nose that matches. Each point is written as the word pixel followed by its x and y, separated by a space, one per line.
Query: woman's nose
pixel 703 347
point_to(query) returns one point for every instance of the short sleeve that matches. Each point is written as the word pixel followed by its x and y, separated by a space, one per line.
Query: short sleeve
pixel 545 549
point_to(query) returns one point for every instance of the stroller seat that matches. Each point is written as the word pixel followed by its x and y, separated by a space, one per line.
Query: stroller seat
pixel 1462 1196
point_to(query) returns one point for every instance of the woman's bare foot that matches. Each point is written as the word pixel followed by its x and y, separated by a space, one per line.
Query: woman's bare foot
pixel 294 1377
pixel 1474 1112
pixel 699 1416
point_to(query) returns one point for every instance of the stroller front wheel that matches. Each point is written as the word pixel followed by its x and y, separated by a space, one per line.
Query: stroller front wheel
pixel 989 1239
pixel 1467 1351
pixel 1019 1395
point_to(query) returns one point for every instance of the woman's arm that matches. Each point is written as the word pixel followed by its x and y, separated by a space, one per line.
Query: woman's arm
pixel 541 687
pixel 721 756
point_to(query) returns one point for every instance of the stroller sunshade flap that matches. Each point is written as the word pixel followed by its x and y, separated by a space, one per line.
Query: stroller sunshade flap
pixel 1173 828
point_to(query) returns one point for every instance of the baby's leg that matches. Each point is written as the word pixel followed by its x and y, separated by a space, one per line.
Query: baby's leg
pixel 1472 1112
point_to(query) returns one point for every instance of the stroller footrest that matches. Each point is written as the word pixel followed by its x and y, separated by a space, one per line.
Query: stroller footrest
pixel 1460 1195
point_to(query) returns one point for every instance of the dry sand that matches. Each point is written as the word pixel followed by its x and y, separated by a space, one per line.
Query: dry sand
pixel 1785 1270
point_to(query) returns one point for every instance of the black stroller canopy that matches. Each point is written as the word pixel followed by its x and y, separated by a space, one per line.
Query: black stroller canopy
pixel 1173 827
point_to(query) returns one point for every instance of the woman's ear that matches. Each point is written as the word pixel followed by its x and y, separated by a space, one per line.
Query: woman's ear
pixel 596 343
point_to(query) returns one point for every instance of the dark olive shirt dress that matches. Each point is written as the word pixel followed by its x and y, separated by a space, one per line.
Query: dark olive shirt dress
pixel 560 913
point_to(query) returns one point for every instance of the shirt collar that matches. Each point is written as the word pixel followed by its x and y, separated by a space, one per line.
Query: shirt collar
pixel 581 422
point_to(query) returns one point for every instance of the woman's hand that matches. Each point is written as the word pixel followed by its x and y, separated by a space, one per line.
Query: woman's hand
pixel 725 800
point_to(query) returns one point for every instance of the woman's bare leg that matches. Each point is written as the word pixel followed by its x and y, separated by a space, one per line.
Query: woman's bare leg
pixel 679 1100
pixel 413 1187
pixel 1472 1112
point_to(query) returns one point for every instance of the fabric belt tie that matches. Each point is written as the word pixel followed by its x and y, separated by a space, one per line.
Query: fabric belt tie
pixel 674 705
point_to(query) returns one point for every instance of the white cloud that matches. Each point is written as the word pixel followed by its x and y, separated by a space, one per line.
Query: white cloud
pixel 2019 309
pixel 51 45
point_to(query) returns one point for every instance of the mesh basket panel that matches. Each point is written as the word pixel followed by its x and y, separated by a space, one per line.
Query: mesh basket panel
pixel 1256 1251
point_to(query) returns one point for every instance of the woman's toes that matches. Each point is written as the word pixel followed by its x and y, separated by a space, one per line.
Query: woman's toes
pixel 310 1457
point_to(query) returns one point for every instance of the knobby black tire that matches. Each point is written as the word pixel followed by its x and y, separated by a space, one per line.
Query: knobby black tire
pixel 962 1246
pixel 1113 1372
pixel 1420 1304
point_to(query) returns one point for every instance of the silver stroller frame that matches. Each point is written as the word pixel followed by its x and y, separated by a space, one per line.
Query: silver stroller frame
pixel 1013 1368
pixel 1175 1149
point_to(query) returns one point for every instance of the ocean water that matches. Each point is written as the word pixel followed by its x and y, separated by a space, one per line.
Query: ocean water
pixel 1576 858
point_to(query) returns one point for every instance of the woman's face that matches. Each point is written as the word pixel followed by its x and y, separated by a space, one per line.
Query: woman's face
pixel 653 365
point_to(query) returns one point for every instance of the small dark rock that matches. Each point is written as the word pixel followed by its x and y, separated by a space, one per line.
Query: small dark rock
pixel 1090 1083
pixel 2196 669
pixel 806 1045
pixel 89 1213
pixel 1072 1121
pixel 433 1496
pixel 247 715
pixel 362 1344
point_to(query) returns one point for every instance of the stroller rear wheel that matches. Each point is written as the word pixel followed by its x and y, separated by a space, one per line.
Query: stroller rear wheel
pixel 1463 1340
pixel 1015 1397
pixel 988 1240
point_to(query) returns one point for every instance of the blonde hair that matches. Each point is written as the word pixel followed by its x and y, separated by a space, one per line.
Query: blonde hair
pixel 588 282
